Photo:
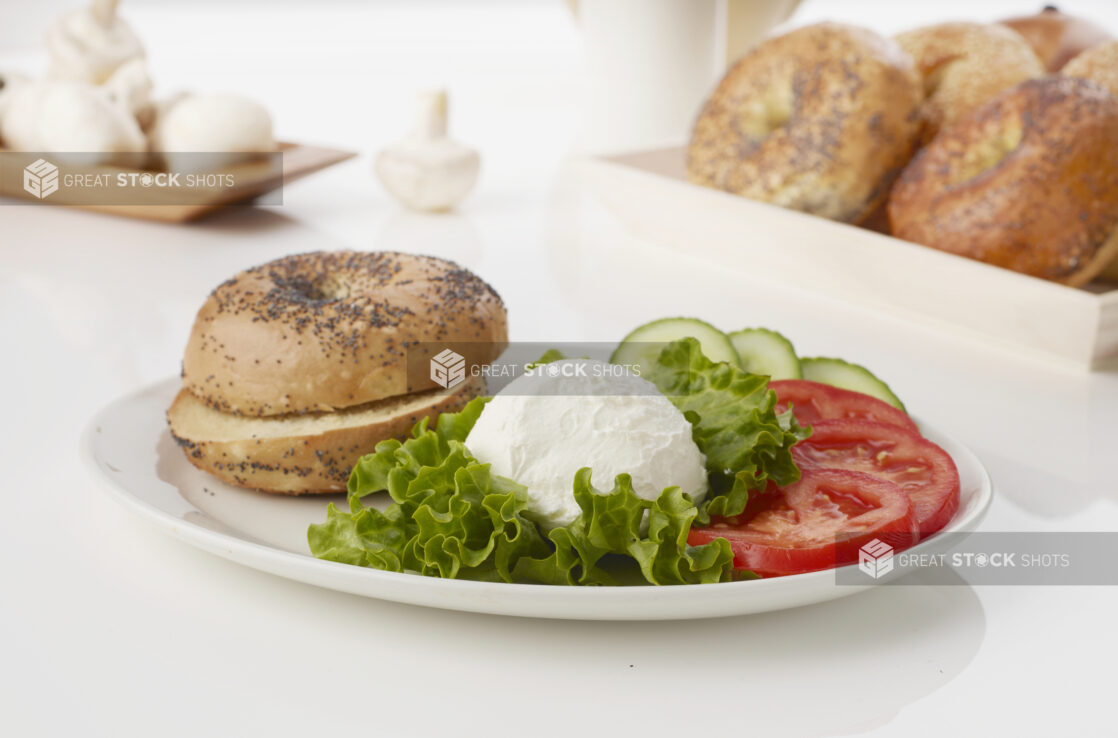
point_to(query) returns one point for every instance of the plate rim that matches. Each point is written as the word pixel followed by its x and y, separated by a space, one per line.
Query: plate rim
pixel 309 570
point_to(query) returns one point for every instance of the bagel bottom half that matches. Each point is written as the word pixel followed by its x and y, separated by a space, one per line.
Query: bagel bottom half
pixel 310 453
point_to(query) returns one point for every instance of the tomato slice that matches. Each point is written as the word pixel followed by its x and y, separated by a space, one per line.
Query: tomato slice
pixel 919 467
pixel 817 523
pixel 813 402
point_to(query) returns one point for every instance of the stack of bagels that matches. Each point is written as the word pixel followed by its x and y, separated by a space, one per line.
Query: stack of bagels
pixel 998 142
pixel 297 368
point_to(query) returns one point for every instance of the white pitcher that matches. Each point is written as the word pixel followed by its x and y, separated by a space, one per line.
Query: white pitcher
pixel 651 63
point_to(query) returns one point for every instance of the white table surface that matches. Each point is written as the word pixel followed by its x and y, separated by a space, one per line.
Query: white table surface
pixel 110 628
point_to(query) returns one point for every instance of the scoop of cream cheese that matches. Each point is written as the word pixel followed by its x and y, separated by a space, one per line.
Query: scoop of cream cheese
pixel 549 423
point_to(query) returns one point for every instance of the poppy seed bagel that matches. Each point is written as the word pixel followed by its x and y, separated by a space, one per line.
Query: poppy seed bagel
pixel 311 453
pixel 329 330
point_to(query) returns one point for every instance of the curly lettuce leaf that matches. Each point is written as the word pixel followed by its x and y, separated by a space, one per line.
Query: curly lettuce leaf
pixel 451 518
pixel 363 536
pixel 610 529
pixel 547 357
pixel 734 423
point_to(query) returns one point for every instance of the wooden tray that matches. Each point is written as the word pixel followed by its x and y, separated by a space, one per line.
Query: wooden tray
pixel 649 192
pixel 253 179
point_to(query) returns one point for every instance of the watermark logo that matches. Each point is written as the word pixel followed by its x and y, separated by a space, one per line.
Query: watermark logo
pixel 448 369
pixel 40 178
pixel 875 558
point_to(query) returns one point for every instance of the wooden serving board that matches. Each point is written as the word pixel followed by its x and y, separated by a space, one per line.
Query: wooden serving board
pixel 649 191
pixel 253 179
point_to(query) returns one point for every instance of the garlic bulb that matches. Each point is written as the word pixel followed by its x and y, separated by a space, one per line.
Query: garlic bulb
pixel 211 131
pixel 89 44
pixel 9 81
pixel 70 118
pixel 427 170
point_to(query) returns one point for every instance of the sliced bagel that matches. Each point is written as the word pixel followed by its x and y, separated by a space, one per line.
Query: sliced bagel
pixel 336 329
pixel 310 453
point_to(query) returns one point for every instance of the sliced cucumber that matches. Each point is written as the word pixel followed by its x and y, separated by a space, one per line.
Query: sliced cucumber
pixel 843 374
pixel 761 351
pixel 644 344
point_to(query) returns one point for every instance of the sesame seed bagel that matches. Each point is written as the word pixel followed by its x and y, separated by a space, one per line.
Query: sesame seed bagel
pixel 301 454
pixel 821 120
pixel 328 330
pixel 1028 182
pixel 1057 37
pixel 964 65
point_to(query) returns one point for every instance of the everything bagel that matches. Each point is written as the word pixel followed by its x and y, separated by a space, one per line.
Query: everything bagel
pixel 1028 182
pixel 1098 64
pixel 1057 37
pixel 964 65
pixel 820 120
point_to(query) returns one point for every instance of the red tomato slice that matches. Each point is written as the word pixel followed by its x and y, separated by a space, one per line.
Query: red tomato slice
pixel 818 523
pixel 919 467
pixel 814 402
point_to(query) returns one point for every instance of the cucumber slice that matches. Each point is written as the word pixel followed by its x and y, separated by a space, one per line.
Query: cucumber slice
pixel 844 375
pixel 761 351
pixel 644 344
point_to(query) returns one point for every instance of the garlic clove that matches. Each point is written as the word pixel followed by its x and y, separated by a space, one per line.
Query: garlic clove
pixel 130 87
pixel 428 171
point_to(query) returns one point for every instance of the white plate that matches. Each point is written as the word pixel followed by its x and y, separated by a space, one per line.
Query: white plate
pixel 129 449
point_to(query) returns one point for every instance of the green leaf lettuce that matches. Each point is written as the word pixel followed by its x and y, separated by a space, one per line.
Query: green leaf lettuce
pixel 734 423
pixel 450 517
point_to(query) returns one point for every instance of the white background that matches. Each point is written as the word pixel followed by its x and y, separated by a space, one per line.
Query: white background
pixel 108 628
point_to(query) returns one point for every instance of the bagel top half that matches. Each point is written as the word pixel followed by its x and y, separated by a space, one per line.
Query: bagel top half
pixel 329 330
pixel 821 120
